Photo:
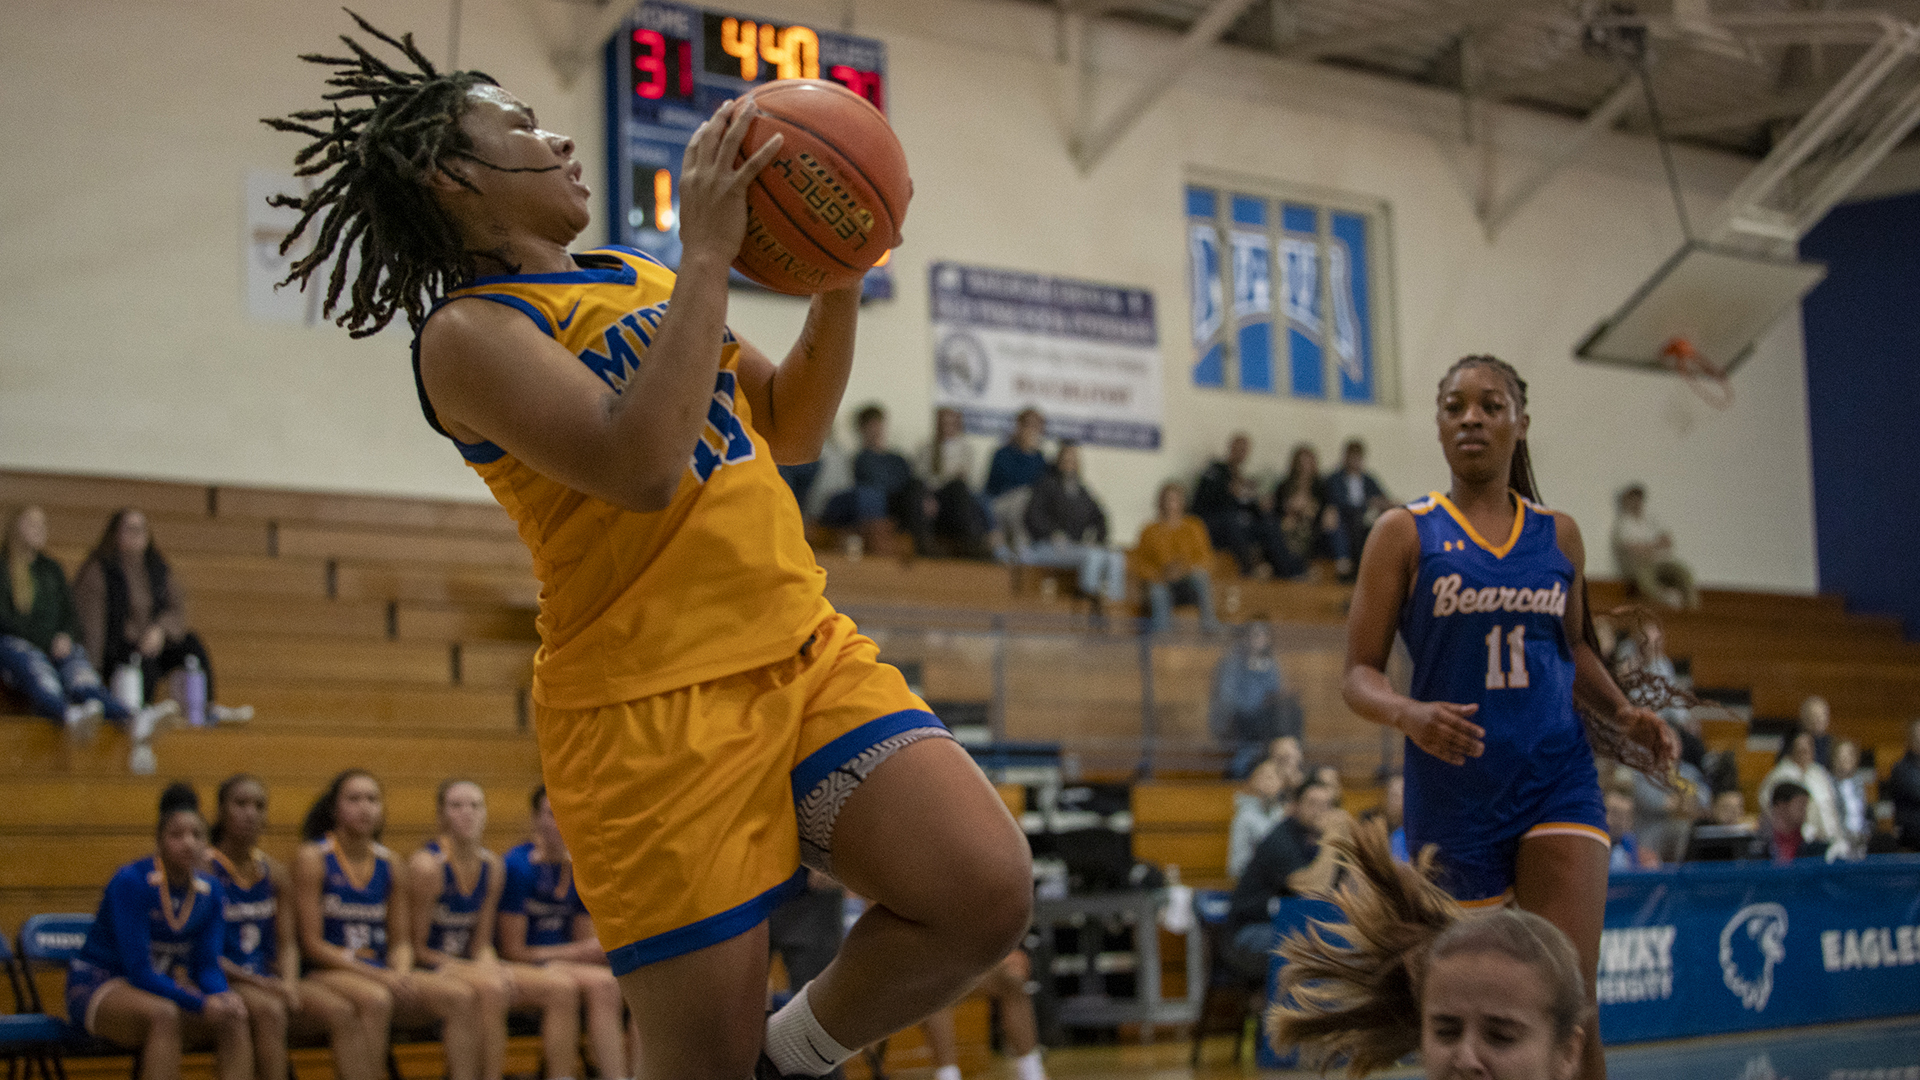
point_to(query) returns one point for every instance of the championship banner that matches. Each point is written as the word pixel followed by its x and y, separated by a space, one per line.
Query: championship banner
pixel 1086 355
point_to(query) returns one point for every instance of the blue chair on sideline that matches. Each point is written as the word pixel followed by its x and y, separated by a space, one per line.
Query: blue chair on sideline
pixel 50 942
pixel 29 1038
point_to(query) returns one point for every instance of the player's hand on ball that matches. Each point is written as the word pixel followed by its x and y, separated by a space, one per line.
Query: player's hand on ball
pixel 1442 728
pixel 713 190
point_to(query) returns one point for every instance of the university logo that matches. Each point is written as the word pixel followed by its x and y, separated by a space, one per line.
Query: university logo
pixel 1755 929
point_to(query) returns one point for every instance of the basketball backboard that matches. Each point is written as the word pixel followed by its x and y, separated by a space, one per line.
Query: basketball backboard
pixel 1717 300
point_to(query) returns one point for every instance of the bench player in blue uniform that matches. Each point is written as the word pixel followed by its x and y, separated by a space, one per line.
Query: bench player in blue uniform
pixel 262 957
pixel 353 926
pixel 456 884
pixel 544 923
pixel 149 974
pixel 1500 776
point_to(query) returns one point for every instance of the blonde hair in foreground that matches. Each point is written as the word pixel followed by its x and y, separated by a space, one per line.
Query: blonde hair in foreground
pixel 1358 1000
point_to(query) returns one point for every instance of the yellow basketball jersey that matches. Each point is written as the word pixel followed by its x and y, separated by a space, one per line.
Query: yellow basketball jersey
pixel 631 605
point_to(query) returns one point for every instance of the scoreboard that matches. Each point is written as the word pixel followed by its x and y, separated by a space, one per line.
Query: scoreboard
pixel 669 66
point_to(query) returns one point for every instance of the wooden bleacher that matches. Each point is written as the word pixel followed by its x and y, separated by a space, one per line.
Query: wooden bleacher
pixel 398 634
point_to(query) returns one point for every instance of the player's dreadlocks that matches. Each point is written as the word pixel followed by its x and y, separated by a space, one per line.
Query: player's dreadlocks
pixel 1609 740
pixel 378 209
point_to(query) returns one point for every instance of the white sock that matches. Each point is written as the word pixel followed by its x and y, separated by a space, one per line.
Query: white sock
pixel 1027 1066
pixel 947 1072
pixel 796 1043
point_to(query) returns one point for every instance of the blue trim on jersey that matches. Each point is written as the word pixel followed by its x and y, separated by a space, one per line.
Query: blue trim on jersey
pixel 522 306
pixel 818 765
pixel 711 930
pixel 609 275
pixel 635 252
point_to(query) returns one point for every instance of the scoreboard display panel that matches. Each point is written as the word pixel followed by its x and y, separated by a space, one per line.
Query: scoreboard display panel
pixel 669 66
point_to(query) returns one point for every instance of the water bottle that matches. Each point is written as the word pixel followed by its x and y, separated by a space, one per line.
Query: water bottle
pixel 128 687
pixel 193 692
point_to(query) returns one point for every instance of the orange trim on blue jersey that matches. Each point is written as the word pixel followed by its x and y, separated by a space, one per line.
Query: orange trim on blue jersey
pixel 1568 828
pixel 1489 903
pixel 1519 523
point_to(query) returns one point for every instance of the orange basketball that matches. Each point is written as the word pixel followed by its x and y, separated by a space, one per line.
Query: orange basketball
pixel 831 203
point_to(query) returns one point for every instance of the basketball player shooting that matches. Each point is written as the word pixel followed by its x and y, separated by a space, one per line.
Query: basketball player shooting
pixel 706 720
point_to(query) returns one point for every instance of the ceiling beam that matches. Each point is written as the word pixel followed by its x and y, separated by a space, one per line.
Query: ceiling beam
pixel 1450 16
pixel 1600 120
pixel 1091 141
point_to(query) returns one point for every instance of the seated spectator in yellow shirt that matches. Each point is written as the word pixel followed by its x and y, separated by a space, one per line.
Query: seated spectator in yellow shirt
pixel 1171 559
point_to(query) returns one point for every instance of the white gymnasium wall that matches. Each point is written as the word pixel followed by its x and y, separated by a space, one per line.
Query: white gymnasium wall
pixel 125 347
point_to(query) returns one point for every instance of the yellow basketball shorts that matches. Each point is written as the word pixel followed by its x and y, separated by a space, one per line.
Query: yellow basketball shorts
pixel 688 813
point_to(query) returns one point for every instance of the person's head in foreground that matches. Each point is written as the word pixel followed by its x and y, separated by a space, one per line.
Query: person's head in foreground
pixel 1497 996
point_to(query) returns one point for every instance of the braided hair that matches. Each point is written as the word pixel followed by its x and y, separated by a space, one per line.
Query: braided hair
pixel 1607 737
pixel 379 156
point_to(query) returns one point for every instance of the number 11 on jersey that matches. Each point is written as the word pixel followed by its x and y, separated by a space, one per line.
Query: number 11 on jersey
pixel 1516 677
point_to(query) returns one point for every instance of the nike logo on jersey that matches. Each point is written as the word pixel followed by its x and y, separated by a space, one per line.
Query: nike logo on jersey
pixel 1449 597
pixel 568 321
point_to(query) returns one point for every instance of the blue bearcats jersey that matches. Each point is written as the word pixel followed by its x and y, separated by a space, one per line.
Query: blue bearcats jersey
pixel 544 893
pixel 250 912
pixel 353 914
pixel 1485 625
pixel 455 914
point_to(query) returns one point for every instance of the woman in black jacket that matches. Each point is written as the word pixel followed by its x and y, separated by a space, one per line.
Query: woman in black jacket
pixel 1069 530
pixel 41 656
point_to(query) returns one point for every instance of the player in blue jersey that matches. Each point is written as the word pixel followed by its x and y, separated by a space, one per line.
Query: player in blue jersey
pixel 543 922
pixel 456 884
pixel 352 912
pixel 261 958
pixel 149 974
pixel 1500 776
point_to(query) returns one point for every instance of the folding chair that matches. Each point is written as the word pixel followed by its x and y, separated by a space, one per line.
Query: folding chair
pixel 1231 1000
pixel 28 1037
pixel 52 941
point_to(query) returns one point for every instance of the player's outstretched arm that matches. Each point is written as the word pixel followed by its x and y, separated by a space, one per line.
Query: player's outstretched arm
pixel 794 404
pixel 1388 568
pixel 494 377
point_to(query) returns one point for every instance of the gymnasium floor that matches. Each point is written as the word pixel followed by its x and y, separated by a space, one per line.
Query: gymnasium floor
pixel 1881 1050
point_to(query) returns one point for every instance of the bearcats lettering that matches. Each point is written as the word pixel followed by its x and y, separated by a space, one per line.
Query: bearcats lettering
pixel 1449 597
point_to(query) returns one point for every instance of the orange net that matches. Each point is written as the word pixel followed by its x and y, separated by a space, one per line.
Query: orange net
pixel 1705 377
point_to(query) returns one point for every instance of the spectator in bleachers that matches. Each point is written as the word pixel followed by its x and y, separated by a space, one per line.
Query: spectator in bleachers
pixel 1171 560
pixel 1902 789
pixel 945 465
pixel 1015 468
pixel 1249 706
pixel 1238 520
pixel 543 922
pixel 1301 507
pixel 42 657
pixel 1255 812
pixel 1627 853
pixel 1068 529
pixel 1295 858
pixel 456 886
pixel 1292 759
pixel 354 917
pixel 1006 986
pixel 1730 809
pixel 1356 500
pixel 1817 717
pixel 148 977
pixel 813 482
pixel 1784 834
pixel 132 611
pixel 1329 775
pixel 887 500
pixel 261 955
pixel 1850 784
pixel 1644 549
pixel 1796 765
